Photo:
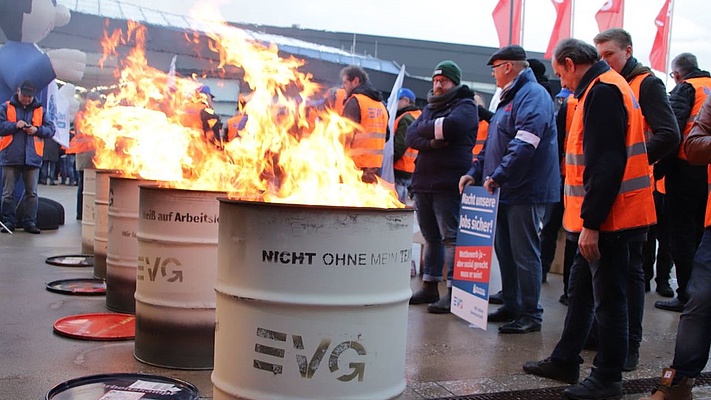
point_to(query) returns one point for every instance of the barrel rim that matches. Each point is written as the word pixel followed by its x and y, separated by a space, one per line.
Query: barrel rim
pixel 255 203
pixel 157 187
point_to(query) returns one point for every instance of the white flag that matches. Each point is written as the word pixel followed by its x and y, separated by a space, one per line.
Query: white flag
pixel 387 172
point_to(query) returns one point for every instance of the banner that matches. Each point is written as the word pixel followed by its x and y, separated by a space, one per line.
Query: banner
pixel 508 20
pixel 386 172
pixel 58 110
pixel 472 256
pixel 562 25
pixel 660 48
pixel 611 15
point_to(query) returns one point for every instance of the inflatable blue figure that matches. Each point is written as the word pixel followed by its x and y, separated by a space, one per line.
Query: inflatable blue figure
pixel 25 23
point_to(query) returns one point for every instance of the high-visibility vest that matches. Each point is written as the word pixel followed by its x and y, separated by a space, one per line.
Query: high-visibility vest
pixel 407 162
pixel 36 121
pixel 707 219
pixel 634 206
pixel 233 126
pixel 702 87
pixel 481 135
pixel 571 104
pixel 636 85
pixel 80 143
pixel 369 141
pixel 339 99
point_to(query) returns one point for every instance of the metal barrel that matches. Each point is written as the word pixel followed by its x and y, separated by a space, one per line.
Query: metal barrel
pixel 312 301
pixel 101 226
pixel 122 246
pixel 88 211
pixel 177 265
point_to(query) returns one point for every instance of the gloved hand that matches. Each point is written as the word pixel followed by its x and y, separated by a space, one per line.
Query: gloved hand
pixel 438 143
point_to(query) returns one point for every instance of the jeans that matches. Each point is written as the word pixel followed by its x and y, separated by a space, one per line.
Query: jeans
pixel 599 289
pixel 693 336
pixel 66 169
pixel 438 217
pixel 518 249
pixel 10 175
pixel 552 221
pixel 49 170
pixel 401 185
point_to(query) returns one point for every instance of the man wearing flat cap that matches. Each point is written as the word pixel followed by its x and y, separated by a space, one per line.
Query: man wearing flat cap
pixel 24 125
pixel 520 158
pixel 444 137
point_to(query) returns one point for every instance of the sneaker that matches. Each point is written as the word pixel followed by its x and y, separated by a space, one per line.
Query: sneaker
pixel 568 373
pixel 32 228
pixel 52 183
pixel 592 388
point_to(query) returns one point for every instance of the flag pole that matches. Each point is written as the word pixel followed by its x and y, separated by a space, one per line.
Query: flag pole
pixel 511 19
pixel 572 18
pixel 523 18
pixel 666 55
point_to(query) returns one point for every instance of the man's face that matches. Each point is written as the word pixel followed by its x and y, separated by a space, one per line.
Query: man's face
pixel 402 102
pixel 500 69
pixel 441 85
pixel 614 55
pixel 24 100
pixel 349 85
pixel 566 73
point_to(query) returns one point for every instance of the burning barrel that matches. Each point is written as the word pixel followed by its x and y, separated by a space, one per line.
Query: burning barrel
pixel 101 227
pixel 88 211
pixel 122 247
pixel 312 301
pixel 177 265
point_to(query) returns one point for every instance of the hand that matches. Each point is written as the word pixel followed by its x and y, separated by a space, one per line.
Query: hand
pixel 370 175
pixel 438 143
pixel 21 124
pixel 30 130
pixel 465 180
pixel 490 185
pixel 588 244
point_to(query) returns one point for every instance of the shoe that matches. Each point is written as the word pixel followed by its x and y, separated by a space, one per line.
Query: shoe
pixel 427 294
pixel 501 315
pixel 666 391
pixel 442 306
pixel 675 305
pixel 74 184
pixel 632 360
pixel 32 228
pixel 563 299
pixel 10 228
pixel 524 324
pixel 52 183
pixel 544 277
pixel 563 372
pixel 592 388
pixel 664 289
pixel 497 298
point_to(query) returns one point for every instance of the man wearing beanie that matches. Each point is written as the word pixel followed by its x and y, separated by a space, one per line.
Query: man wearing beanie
pixel 364 106
pixel 520 158
pixel 444 137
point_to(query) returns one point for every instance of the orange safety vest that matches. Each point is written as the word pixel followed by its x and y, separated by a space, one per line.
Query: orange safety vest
pixel 702 87
pixel 233 126
pixel 571 104
pixel 338 101
pixel 707 219
pixel 36 121
pixel 636 85
pixel 634 206
pixel 481 135
pixel 369 141
pixel 407 162
pixel 80 143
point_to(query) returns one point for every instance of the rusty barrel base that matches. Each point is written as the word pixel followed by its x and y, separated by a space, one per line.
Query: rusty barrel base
pixel 100 265
pixel 170 344
pixel 119 294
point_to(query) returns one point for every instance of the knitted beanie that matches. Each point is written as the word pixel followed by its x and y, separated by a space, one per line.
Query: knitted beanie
pixel 450 69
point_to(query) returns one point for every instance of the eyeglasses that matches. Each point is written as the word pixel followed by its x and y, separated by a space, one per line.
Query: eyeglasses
pixel 673 74
pixel 493 67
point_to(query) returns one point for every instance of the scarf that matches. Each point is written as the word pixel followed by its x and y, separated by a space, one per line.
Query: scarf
pixel 437 102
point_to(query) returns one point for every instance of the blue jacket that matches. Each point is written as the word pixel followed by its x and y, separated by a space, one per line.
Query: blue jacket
pixel 521 150
pixel 21 151
pixel 437 170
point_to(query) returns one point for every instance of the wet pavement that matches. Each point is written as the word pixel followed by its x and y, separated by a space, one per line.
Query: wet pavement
pixel 445 356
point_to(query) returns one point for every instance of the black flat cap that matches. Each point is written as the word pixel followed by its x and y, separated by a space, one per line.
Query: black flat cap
pixel 508 53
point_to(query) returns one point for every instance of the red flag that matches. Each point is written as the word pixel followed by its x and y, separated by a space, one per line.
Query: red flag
pixel 508 21
pixel 611 15
pixel 561 28
pixel 658 55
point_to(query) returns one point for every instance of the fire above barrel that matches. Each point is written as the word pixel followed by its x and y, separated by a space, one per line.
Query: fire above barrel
pixel 312 301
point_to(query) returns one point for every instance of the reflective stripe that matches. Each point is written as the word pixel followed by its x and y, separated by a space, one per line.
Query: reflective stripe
pixel 370 135
pixel 635 149
pixel 627 186
pixel 438 132
pixel 575 159
pixel 528 137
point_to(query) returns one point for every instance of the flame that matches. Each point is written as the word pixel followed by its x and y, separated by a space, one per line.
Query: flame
pixel 287 152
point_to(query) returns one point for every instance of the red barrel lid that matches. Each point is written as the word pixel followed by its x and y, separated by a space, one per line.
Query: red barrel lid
pixel 71 260
pixel 83 286
pixel 123 386
pixel 101 326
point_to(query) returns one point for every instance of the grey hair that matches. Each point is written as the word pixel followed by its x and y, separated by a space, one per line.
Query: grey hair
pixel 580 52
pixel 685 63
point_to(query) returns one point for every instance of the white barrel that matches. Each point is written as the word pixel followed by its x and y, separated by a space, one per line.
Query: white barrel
pixel 88 211
pixel 312 302
pixel 101 227
pixel 177 265
pixel 122 246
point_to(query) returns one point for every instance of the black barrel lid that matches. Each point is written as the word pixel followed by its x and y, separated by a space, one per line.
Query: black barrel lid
pixel 81 286
pixel 123 386
pixel 71 260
